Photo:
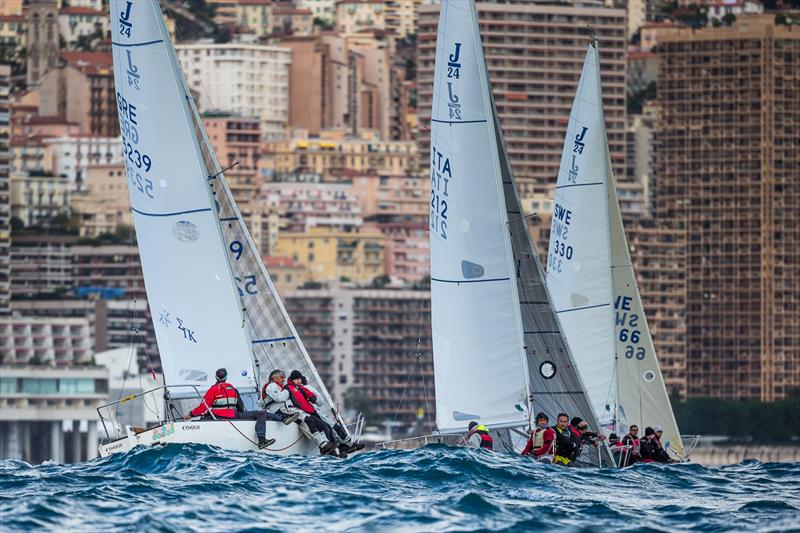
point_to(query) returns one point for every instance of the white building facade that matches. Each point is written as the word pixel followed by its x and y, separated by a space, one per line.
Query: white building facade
pixel 240 78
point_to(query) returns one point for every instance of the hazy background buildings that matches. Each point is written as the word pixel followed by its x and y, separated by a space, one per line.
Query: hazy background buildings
pixel 322 107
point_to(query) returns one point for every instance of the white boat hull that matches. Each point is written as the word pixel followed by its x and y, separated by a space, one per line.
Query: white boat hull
pixel 238 435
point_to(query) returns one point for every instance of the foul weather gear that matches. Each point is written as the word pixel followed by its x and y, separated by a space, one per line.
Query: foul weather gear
pixel 541 444
pixel 565 446
pixel 300 397
pixel 486 440
pixel 223 399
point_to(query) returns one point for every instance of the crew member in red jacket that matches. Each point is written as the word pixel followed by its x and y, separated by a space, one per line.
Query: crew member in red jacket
pixel 225 403
pixel 303 399
pixel 542 442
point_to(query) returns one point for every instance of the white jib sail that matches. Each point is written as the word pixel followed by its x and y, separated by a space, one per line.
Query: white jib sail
pixel 479 365
pixel 642 397
pixel 579 258
pixel 190 288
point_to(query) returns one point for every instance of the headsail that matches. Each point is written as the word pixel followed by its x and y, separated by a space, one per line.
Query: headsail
pixel 591 278
pixel 479 361
pixel 191 293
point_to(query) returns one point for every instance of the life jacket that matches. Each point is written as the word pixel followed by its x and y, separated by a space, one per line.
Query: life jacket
pixel 562 456
pixel 297 393
pixel 224 402
pixel 486 440
pixel 538 444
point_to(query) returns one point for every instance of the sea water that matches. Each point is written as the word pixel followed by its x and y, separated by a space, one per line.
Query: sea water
pixel 436 488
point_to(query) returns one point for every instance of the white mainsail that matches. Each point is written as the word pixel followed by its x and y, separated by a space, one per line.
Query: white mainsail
pixel 198 257
pixel 479 361
pixel 191 293
pixel 591 279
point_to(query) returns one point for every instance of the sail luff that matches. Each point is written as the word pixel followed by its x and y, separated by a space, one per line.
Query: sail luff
pixel 609 186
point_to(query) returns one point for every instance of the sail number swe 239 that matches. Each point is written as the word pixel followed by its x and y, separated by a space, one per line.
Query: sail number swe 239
pixel 441 174
pixel 137 163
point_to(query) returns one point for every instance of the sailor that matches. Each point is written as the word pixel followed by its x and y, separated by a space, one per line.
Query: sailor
pixel 661 453
pixel 478 436
pixel 226 403
pixel 542 442
pixel 582 435
pixel 648 446
pixel 565 446
pixel 345 440
pixel 304 399
pixel 276 397
pixel 632 452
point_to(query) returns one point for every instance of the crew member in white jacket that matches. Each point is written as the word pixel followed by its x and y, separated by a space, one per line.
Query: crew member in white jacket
pixel 276 400
pixel 345 440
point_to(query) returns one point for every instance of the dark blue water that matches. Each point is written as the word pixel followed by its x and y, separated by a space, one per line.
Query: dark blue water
pixel 193 487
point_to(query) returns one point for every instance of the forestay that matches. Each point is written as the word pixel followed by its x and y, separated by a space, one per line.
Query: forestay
pixel 579 258
pixel 479 365
pixel 190 289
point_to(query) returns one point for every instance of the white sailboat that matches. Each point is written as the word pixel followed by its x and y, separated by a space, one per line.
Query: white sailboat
pixel 498 351
pixel 212 300
pixel 590 277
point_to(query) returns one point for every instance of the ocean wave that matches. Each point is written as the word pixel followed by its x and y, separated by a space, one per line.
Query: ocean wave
pixel 435 488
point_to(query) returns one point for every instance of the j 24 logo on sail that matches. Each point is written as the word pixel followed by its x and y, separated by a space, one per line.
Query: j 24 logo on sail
pixel 125 24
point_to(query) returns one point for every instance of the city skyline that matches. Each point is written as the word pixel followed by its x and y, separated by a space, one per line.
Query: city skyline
pixel 322 117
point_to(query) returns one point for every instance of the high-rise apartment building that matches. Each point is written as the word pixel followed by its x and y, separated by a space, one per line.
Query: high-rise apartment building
pixel 535 52
pixel 5 189
pixel 372 347
pixel 340 83
pixel 728 190
pixel 250 80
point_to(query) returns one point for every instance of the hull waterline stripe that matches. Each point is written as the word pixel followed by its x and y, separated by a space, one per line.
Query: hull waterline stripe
pixel 549 392
pixel 457 121
pixel 540 332
pixel 276 339
pixel 228 219
pixel 582 308
pixel 131 45
pixel 468 280
pixel 579 185
pixel 171 214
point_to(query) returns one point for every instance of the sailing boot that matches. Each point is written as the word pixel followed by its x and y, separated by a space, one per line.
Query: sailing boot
pixel 329 448
pixel 355 447
pixel 263 442
pixel 291 418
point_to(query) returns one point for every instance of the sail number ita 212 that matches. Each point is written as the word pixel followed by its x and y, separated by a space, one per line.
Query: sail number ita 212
pixel 441 174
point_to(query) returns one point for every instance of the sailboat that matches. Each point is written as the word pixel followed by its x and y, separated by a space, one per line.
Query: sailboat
pixel 498 351
pixel 591 279
pixel 212 300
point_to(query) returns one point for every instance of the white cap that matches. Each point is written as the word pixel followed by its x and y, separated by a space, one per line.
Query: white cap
pixel 658 428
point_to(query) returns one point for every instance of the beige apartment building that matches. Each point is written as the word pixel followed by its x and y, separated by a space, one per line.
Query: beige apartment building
pixel 728 196
pixel 81 90
pixel 102 204
pixel 332 255
pixel 336 153
pixel 339 83
pixel 353 16
pixel 535 52
pixel 5 189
